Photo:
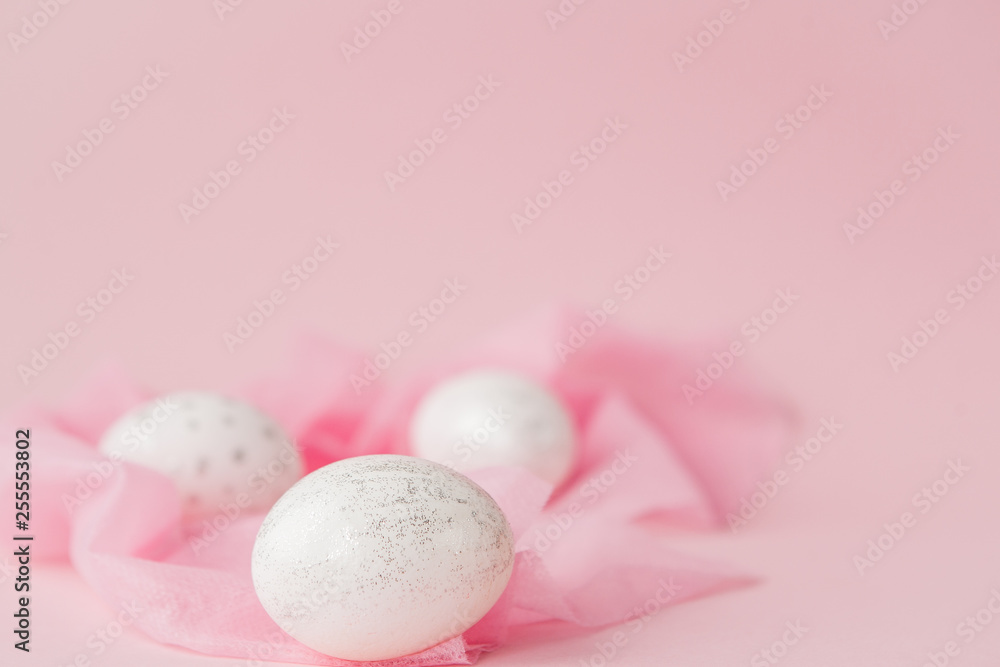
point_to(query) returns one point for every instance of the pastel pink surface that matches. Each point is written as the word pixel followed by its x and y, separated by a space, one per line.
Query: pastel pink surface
pixel 656 185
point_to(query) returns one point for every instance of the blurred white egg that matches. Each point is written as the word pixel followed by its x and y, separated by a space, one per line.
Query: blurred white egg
pixel 216 449
pixel 494 418
pixel 377 557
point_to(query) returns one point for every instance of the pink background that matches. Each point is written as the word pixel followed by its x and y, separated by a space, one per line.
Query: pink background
pixel 655 185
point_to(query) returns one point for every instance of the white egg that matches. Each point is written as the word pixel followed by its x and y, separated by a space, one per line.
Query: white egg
pixel 377 557
pixel 494 418
pixel 219 451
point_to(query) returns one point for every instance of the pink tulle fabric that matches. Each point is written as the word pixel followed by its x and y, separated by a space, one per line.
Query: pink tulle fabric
pixel 580 557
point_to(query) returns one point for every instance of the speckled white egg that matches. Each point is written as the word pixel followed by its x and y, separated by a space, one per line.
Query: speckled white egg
pixel 218 450
pixel 488 418
pixel 377 557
